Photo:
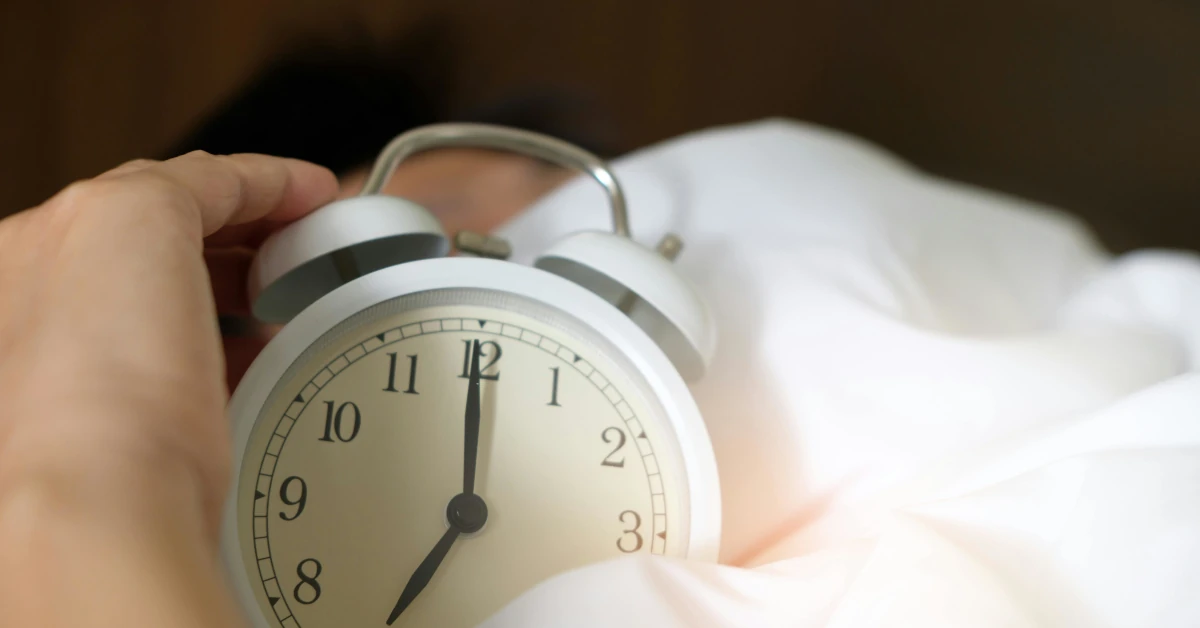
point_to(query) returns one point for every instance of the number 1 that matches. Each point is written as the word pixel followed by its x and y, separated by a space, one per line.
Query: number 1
pixel 554 388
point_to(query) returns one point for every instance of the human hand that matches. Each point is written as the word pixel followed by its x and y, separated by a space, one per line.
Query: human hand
pixel 114 449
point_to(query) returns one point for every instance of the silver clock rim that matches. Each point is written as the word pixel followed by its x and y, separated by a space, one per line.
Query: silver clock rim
pixel 699 464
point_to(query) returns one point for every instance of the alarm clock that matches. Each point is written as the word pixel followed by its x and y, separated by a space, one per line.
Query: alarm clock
pixel 428 436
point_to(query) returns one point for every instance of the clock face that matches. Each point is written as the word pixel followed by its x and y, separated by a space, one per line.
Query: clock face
pixel 367 494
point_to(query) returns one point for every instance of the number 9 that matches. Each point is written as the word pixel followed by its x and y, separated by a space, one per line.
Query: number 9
pixel 301 501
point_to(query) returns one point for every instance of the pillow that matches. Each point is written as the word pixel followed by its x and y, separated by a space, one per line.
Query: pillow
pixel 931 404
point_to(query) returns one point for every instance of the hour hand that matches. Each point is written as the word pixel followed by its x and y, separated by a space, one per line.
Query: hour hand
pixel 424 573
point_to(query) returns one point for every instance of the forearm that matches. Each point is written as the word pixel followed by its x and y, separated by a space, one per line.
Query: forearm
pixel 114 543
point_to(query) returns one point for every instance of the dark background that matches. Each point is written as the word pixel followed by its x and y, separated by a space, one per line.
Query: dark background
pixel 1092 106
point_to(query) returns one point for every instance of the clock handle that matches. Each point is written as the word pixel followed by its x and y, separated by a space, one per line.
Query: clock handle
pixel 639 281
pixel 502 138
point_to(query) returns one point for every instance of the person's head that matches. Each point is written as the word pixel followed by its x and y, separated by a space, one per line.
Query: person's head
pixel 339 107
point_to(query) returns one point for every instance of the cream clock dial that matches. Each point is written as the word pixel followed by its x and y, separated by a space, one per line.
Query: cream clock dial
pixel 434 456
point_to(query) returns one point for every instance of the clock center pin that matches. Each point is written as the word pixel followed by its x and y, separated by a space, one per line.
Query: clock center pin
pixel 467 513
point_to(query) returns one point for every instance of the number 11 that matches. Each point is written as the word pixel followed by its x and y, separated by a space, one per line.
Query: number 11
pixel 412 375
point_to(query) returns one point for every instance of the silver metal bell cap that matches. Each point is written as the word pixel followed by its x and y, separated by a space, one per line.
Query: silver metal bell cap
pixel 336 244
pixel 647 286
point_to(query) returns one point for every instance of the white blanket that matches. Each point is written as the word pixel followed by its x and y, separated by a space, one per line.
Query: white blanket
pixel 931 406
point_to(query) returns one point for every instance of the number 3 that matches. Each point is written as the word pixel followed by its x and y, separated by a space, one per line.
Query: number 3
pixel 637 542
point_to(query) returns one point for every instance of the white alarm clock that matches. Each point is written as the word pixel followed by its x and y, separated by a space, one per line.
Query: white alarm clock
pixel 428 436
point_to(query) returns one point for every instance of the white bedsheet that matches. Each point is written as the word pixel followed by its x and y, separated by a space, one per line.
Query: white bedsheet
pixel 932 405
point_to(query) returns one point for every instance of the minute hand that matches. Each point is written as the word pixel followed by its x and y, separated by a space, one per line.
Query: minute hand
pixel 471 427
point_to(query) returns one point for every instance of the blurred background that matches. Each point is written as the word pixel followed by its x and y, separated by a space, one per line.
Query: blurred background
pixel 1091 106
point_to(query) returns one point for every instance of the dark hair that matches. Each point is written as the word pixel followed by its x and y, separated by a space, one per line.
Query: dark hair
pixel 338 107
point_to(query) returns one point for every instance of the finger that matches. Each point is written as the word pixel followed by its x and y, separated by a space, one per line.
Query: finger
pixel 129 167
pixel 248 234
pixel 236 189
pixel 227 271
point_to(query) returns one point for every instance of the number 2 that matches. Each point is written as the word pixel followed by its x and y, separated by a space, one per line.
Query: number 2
pixel 608 461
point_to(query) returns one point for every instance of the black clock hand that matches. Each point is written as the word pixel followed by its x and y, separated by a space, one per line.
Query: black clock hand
pixel 424 573
pixel 471 430
pixel 466 513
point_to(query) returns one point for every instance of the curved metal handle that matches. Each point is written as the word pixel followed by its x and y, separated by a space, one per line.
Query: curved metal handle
pixel 520 141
